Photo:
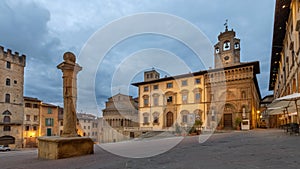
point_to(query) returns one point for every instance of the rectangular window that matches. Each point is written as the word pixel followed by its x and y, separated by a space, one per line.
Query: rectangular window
pixel 169 99
pixel 197 97
pixel 28 105
pixel 61 123
pixel 146 102
pixel 184 119
pixel 146 88
pixel 89 127
pixel 27 117
pixel 7 82
pixel 15 82
pixel 184 98
pixel 155 121
pixel 49 121
pixel 7 98
pixel 8 65
pixel 26 128
pixel 34 128
pixel 96 133
pixel 146 120
pixel 49 111
pixel 84 127
pixel 35 118
pixel 197 81
pixel 155 101
pixel 35 106
pixel 169 85
pixel 184 83
pixel 6 128
pixel 155 87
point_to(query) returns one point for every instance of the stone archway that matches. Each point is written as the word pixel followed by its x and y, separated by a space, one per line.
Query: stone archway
pixel 169 119
pixel 5 140
pixel 228 111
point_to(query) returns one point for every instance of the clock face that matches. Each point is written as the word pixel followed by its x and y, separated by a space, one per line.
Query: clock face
pixel 226 58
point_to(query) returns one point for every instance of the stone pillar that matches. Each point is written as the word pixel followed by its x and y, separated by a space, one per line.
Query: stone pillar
pixel 69 145
pixel 70 70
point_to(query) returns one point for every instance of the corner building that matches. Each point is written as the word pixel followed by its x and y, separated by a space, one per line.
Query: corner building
pixel 216 96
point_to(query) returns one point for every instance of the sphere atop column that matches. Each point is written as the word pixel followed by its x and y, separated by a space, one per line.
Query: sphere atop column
pixel 69 57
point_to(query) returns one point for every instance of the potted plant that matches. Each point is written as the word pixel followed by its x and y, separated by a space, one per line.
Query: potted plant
pixel 198 124
pixel 238 122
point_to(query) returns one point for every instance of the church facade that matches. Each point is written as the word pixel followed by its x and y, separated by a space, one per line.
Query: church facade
pixel 221 97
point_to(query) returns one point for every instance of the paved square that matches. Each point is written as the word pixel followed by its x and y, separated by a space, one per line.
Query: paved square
pixel 238 149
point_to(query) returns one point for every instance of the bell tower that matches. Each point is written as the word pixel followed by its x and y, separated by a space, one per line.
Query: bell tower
pixel 227 50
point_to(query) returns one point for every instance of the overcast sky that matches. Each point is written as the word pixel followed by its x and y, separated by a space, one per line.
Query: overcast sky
pixel 44 30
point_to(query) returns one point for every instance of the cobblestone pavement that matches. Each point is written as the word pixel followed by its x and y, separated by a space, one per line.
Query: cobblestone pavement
pixel 233 150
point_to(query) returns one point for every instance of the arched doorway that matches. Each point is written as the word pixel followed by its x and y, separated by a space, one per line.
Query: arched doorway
pixel 5 140
pixel 169 119
pixel 227 117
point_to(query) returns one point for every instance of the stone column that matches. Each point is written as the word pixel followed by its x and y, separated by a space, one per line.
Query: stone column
pixel 70 70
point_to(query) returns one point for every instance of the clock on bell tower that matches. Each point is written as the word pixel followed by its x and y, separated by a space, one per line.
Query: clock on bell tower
pixel 227 50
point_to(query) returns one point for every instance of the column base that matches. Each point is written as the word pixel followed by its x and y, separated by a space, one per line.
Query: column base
pixel 64 147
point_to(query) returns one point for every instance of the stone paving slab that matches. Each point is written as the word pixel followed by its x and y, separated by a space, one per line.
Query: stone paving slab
pixel 265 149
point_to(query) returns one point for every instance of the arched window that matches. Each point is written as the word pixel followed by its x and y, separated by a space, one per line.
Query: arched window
pixel 6 119
pixel 226 45
pixel 7 98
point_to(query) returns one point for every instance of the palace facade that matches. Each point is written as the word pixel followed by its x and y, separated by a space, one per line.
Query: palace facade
pixel 285 60
pixel 217 97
